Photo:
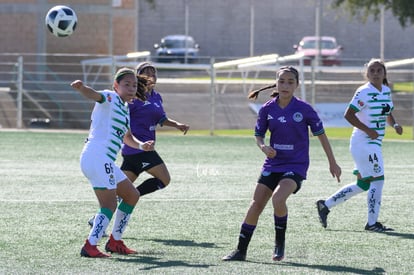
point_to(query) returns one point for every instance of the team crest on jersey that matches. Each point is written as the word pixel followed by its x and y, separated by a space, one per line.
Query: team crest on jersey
pixel 108 98
pixel 111 179
pixel 360 103
pixel 377 168
pixel 298 117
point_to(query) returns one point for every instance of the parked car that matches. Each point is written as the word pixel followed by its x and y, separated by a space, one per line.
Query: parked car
pixel 330 50
pixel 181 48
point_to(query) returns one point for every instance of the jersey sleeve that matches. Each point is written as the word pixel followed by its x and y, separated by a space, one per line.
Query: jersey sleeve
pixel 261 123
pixel 358 101
pixel 314 121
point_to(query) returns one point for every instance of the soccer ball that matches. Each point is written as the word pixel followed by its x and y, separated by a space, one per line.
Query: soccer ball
pixel 61 21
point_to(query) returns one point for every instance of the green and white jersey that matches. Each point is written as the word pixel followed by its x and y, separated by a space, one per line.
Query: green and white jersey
pixel 110 122
pixel 372 107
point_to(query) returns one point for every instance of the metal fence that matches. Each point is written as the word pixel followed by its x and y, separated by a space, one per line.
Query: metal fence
pixel 35 90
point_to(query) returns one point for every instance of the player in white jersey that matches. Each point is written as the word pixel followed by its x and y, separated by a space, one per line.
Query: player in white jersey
pixel 369 112
pixel 109 130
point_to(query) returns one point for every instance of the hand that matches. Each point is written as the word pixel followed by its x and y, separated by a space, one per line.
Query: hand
pixel 398 129
pixel 269 151
pixel 183 128
pixel 335 171
pixel 77 84
pixel 372 133
pixel 147 146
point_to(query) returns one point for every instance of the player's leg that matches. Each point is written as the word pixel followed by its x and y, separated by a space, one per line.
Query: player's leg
pixel 360 154
pixel 129 195
pixel 261 196
pixel 151 162
pixel 161 178
pixel 107 202
pixel 285 188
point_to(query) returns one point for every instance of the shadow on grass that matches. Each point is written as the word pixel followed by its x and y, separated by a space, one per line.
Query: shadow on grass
pixel 156 263
pixel 400 235
pixel 189 243
pixel 337 268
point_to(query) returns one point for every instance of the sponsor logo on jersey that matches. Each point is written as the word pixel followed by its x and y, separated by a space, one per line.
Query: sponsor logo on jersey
pixel 282 119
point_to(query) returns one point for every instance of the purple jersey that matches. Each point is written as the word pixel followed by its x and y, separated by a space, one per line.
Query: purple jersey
pixel 289 134
pixel 144 119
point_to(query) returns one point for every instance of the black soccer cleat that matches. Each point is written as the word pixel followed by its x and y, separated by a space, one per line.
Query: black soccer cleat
pixel 279 254
pixel 377 227
pixel 236 255
pixel 323 212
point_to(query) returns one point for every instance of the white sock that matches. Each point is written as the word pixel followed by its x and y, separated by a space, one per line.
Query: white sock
pixel 100 224
pixel 374 200
pixel 343 194
pixel 120 223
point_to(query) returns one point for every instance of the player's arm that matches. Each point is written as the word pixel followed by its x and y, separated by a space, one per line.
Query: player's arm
pixel 180 126
pixel 86 91
pixel 391 121
pixel 333 166
pixel 350 116
pixel 269 151
pixel 133 142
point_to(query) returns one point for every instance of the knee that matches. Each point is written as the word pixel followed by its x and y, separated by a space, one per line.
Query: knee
pixel 132 197
pixel 166 180
pixel 257 206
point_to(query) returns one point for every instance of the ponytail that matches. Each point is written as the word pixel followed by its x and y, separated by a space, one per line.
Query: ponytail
pixel 142 86
pixel 255 93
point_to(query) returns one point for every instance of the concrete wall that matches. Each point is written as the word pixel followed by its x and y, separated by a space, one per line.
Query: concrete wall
pixel 222 28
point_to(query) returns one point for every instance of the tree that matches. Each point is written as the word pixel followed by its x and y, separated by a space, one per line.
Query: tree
pixel 402 9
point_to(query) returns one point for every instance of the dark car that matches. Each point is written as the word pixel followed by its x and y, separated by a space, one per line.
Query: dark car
pixel 173 48
pixel 330 50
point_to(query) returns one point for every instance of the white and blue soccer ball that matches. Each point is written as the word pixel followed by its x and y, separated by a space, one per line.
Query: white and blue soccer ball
pixel 61 21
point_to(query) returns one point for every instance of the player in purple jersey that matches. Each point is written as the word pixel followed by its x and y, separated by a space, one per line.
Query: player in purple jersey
pixel 288 120
pixel 146 114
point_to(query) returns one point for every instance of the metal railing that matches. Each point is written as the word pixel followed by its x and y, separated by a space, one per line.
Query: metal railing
pixel 35 90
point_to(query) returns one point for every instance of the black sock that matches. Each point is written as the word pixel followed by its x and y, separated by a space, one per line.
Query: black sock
pixel 246 233
pixel 149 186
pixel 280 229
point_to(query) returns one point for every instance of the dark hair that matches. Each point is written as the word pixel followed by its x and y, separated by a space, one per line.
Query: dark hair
pixel 142 83
pixel 380 62
pixel 255 93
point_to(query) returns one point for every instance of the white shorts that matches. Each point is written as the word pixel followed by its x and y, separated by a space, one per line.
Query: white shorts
pixel 100 170
pixel 368 159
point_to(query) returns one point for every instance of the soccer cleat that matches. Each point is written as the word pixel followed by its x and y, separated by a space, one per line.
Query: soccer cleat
pixel 377 227
pixel 279 252
pixel 92 251
pixel 90 222
pixel 323 212
pixel 236 255
pixel 115 246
